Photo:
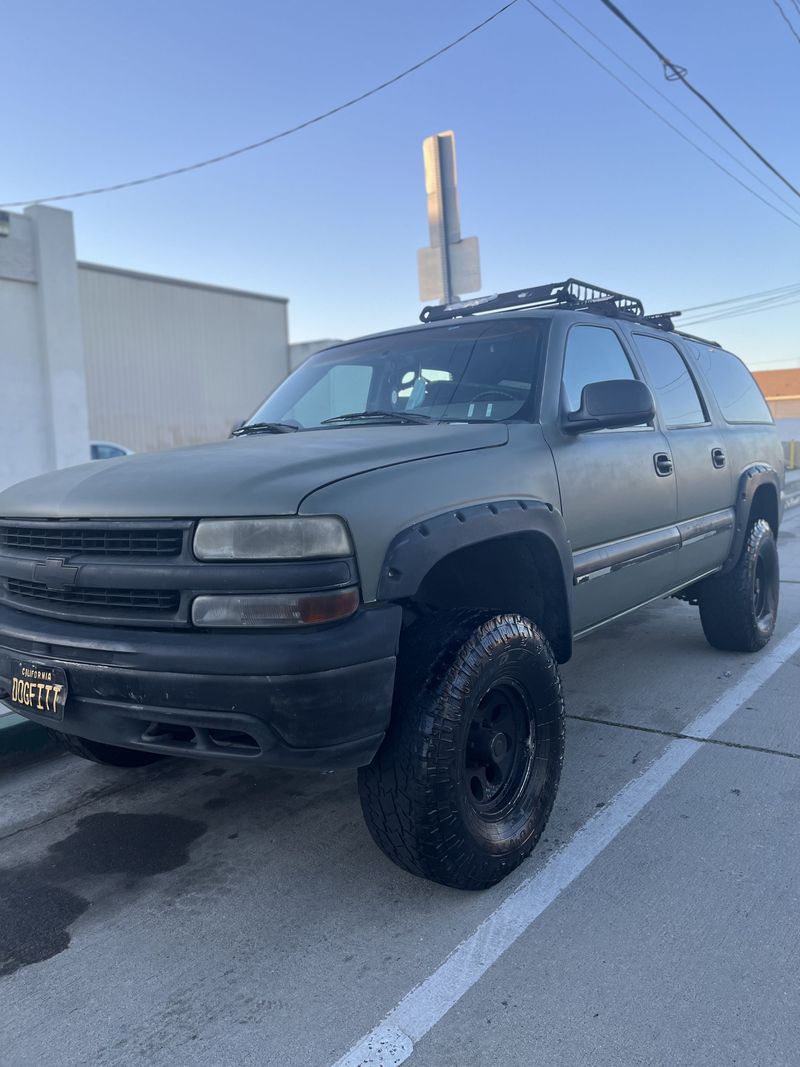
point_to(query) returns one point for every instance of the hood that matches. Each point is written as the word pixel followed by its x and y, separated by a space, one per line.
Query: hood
pixel 269 474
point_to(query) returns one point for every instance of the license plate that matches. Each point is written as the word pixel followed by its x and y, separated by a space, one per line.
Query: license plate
pixel 37 689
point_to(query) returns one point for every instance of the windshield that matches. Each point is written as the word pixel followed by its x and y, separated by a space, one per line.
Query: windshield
pixel 464 372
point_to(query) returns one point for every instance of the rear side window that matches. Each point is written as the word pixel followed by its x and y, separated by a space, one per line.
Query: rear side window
pixel 673 385
pixel 593 354
pixel 737 394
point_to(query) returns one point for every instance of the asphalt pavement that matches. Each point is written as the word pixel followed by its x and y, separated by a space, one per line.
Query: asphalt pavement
pixel 203 915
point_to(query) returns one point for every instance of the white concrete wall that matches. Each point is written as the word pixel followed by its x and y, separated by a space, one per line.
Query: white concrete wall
pixel 43 408
pixel 174 363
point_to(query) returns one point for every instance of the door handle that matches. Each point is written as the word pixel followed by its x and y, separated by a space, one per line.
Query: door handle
pixel 718 458
pixel 662 461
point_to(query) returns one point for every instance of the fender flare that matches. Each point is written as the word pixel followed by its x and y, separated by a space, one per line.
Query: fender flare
pixel 417 549
pixel 750 480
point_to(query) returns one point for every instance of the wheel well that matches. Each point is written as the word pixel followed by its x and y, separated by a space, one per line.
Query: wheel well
pixel 765 506
pixel 519 573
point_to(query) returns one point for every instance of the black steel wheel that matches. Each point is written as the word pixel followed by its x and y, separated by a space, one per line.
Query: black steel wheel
pixel 499 753
pixel 739 609
pixel 464 783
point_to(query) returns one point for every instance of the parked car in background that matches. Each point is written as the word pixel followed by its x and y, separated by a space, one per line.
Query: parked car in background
pixel 109 450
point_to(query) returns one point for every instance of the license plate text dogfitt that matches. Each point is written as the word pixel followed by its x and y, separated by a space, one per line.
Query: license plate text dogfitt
pixel 35 688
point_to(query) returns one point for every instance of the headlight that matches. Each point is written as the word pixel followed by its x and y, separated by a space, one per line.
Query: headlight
pixel 279 538
pixel 274 609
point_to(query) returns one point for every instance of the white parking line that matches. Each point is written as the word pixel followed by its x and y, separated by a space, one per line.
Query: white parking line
pixel 392 1042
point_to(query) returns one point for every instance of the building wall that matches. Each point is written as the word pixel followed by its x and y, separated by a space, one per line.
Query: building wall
pixel 43 406
pixel 173 363
pixel 782 391
pixel 779 383
pixel 784 408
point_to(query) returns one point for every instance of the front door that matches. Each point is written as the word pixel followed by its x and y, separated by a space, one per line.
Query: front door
pixel 618 494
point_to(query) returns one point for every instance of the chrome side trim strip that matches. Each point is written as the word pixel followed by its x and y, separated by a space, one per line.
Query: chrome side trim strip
pixel 706 526
pixel 590 563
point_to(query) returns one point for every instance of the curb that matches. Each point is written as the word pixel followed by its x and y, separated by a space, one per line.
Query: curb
pixel 24 742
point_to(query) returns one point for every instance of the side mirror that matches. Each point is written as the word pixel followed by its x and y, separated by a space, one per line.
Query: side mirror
pixel 610 405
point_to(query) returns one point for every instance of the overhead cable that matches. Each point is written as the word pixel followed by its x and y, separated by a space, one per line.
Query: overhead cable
pixel 659 115
pixel 747 297
pixel 740 312
pixel 266 140
pixel 787 20
pixel 753 174
pixel 673 72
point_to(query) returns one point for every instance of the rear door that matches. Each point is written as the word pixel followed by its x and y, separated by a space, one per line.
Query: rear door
pixel 700 454
pixel 617 488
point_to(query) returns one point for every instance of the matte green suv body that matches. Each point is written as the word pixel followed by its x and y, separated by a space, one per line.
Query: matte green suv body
pixel 468 496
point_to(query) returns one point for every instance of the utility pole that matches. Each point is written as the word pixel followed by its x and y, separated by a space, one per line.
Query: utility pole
pixel 451 264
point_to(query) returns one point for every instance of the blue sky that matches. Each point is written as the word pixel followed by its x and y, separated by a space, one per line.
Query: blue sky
pixel 561 172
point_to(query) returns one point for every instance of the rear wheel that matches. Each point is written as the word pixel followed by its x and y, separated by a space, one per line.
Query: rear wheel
pixel 739 609
pixel 97 752
pixel 464 783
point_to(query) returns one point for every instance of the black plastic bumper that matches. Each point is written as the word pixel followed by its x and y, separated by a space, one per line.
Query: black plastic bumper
pixel 317 698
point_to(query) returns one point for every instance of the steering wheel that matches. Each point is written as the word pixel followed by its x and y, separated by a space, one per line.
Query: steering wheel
pixel 492 394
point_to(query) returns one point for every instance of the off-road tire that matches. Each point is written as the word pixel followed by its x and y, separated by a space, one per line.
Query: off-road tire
pixel 109 755
pixel 420 795
pixel 739 609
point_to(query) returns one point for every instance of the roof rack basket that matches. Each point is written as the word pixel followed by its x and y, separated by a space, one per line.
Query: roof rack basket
pixel 571 294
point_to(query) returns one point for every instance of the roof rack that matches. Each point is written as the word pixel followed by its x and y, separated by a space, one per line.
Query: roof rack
pixel 571 294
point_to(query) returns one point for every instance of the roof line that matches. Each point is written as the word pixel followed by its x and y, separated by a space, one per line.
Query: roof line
pixel 185 282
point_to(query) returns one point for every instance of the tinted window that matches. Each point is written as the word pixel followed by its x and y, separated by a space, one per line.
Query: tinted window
pixel 457 372
pixel 674 388
pixel 737 394
pixel 593 354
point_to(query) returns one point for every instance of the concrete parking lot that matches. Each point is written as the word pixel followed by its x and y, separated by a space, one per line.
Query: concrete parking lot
pixel 188 914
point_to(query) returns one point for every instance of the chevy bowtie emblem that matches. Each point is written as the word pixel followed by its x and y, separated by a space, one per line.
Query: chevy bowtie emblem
pixel 55 574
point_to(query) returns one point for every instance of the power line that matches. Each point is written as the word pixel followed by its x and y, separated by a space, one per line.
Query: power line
pixel 658 115
pixel 672 104
pixel 719 318
pixel 753 305
pixel 274 137
pixel 787 20
pixel 767 306
pixel 746 297
pixel 676 73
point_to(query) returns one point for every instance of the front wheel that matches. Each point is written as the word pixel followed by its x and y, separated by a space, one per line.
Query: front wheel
pixel 464 783
pixel 739 609
pixel 110 755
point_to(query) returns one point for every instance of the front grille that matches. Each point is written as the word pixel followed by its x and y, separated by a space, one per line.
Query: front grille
pixel 161 600
pixel 94 539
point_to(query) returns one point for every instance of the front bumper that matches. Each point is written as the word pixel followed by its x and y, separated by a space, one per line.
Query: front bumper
pixel 313 698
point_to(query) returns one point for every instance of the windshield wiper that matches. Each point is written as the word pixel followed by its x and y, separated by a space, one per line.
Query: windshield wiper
pixel 264 427
pixel 395 416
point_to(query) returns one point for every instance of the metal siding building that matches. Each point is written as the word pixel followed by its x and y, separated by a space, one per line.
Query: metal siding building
pixel 171 362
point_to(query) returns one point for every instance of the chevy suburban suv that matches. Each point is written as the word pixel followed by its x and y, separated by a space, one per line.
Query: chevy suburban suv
pixel 384 567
